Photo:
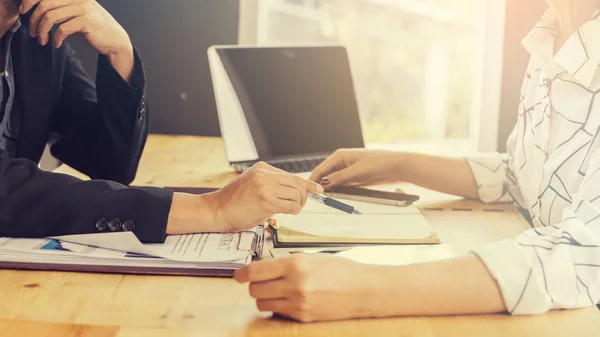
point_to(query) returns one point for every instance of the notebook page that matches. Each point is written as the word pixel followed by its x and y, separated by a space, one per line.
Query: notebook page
pixel 378 226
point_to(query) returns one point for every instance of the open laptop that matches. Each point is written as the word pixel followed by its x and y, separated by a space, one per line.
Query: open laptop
pixel 288 106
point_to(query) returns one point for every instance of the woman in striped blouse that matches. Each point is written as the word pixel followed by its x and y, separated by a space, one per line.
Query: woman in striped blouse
pixel 552 170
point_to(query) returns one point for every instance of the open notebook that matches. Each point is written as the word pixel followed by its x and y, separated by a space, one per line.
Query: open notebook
pixel 320 226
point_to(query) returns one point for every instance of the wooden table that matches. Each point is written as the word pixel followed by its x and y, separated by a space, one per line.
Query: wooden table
pixel 79 304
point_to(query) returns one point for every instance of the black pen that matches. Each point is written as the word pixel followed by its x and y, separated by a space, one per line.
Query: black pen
pixel 325 200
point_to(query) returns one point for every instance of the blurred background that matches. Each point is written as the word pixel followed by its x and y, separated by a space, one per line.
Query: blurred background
pixel 427 72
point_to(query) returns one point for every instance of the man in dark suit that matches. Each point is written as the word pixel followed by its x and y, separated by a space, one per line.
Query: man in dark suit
pixel 99 129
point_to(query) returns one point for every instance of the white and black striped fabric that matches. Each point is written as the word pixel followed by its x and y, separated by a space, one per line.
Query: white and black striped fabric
pixel 552 169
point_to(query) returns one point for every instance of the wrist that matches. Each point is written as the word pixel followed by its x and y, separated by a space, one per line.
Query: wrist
pixel 214 205
pixel 123 60
pixel 374 299
pixel 400 163
pixel 392 292
pixel 192 214
pixel 121 53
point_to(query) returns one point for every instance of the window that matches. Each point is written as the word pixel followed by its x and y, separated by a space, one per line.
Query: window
pixel 417 64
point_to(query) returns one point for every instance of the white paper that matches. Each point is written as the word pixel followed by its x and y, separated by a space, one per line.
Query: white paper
pixel 190 247
pixel 358 226
pixel 214 251
pixel 121 241
pixel 201 247
pixel 398 255
pixel 55 247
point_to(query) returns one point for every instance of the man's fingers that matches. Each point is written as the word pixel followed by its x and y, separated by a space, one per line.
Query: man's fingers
pixel 41 11
pixel 292 180
pixel 27 5
pixel 286 179
pixel 264 166
pixel 287 207
pixel 309 185
pixel 290 194
pixel 67 29
pixel 261 271
pixel 268 290
pixel 56 16
pixel 277 306
pixel 302 185
pixel 313 187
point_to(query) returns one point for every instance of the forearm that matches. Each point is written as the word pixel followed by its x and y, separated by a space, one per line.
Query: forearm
pixel 106 141
pixel 450 287
pixel 442 174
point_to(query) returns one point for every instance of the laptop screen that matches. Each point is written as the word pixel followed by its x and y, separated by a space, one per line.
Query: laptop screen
pixel 290 101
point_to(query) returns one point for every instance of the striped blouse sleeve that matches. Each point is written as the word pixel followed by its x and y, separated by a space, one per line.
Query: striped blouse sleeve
pixel 492 175
pixel 554 267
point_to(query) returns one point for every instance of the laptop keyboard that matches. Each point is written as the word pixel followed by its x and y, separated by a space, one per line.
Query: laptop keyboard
pixel 306 165
pixel 291 165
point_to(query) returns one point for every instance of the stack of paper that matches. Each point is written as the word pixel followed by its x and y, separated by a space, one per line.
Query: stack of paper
pixel 215 254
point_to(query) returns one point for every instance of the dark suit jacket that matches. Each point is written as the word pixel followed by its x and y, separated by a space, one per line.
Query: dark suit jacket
pixel 99 130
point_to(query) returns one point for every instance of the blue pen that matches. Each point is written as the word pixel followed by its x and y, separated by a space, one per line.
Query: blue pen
pixel 325 200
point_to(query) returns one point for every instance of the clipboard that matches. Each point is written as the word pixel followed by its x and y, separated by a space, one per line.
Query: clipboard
pixel 150 266
pixel 258 243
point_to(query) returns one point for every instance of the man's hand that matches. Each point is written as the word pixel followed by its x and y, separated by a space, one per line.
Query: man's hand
pixel 258 194
pixel 312 288
pixel 84 17
pixel 248 201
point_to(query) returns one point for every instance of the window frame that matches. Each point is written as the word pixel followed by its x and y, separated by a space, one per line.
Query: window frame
pixel 486 101
pixel 485 111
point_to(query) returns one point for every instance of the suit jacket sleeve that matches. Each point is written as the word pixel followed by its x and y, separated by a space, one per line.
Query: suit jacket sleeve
pixel 34 203
pixel 101 129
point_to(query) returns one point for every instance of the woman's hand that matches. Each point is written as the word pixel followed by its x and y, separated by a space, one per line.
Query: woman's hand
pixel 311 288
pixel 358 167
pixel 321 287
pixel 363 167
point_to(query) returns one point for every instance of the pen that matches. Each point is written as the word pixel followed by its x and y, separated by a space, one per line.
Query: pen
pixel 325 200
